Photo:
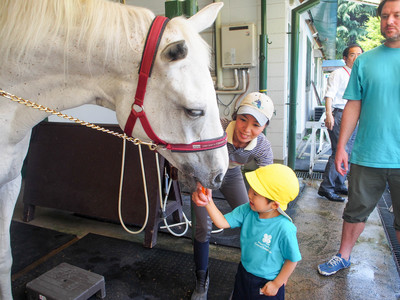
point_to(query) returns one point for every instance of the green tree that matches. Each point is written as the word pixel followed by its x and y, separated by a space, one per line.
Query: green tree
pixel 351 17
pixel 373 38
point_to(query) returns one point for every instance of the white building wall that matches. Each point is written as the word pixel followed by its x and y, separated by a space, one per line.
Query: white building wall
pixel 306 97
pixel 277 77
pixel 240 12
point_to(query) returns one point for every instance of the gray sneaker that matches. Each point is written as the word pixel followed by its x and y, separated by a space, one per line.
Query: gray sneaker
pixel 202 282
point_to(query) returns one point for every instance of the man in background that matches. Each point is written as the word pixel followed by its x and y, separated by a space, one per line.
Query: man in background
pixel 333 183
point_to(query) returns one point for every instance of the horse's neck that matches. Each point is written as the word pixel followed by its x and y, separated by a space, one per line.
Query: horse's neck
pixel 61 82
pixel 78 62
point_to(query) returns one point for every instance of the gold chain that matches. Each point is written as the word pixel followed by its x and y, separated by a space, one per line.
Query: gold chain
pixel 34 105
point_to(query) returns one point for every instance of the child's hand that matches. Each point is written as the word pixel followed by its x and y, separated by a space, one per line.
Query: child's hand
pixel 199 198
pixel 270 289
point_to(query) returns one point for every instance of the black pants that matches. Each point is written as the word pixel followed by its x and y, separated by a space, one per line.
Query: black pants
pixel 247 287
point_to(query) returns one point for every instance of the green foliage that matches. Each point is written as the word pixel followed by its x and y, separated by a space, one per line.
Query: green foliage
pixel 351 17
pixel 373 38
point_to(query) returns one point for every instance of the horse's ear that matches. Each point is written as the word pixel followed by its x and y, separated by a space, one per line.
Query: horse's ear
pixel 205 17
pixel 175 51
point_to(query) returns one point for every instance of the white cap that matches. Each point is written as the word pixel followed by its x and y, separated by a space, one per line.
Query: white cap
pixel 259 105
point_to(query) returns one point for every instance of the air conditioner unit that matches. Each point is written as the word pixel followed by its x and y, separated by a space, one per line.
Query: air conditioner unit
pixel 318 112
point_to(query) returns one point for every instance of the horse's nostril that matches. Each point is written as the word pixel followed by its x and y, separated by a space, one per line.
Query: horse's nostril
pixel 219 177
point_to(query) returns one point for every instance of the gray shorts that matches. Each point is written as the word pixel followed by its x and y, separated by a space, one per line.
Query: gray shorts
pixel 366 186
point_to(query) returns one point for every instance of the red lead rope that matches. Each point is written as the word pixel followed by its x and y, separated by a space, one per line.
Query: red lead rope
pixel 146 65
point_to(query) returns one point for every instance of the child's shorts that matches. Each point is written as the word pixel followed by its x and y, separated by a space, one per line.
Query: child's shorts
pixel 247 286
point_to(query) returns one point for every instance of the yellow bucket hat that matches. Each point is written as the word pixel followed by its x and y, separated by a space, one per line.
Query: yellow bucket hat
pixel 276 182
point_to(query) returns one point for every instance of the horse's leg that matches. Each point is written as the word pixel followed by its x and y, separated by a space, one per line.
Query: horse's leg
pixel 8 197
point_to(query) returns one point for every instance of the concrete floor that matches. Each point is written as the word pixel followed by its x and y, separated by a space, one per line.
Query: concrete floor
pixel 372 275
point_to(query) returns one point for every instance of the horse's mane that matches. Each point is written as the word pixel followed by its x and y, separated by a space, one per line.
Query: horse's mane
pixel 25 24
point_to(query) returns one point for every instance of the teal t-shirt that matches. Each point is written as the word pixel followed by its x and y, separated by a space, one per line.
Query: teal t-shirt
pixel 375 81
pixel 265 243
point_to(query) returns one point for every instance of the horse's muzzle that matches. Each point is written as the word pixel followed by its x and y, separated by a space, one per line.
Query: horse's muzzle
pixel 218 179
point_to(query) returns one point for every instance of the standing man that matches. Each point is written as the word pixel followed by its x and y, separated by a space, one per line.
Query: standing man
pixel 333 183
pixel 374 101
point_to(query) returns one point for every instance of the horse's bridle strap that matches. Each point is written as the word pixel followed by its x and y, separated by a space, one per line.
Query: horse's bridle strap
pixel 149 53
pixel 199 145
pixel 137 112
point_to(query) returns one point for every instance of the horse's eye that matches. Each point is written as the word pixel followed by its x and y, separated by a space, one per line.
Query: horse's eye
pixel 194 112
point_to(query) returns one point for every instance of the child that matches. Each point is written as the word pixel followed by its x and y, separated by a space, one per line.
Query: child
pixel 268 242
pixel 246 144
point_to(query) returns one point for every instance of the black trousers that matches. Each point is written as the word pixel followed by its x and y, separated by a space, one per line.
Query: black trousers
pixel 247 287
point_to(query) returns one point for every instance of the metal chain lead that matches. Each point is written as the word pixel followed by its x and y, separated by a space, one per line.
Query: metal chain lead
pixel 34 105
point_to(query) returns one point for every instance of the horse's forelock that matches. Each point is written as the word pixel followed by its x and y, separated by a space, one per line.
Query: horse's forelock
pixel 24 25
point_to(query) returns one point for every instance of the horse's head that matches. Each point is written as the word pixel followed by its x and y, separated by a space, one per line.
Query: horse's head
pixel 180 101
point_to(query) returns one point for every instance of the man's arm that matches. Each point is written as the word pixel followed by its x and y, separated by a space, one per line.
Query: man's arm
pixel 350 117
pixel 329 120
pixel 332 88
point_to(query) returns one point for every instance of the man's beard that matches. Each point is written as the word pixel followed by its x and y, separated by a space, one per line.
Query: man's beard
pixel 394 38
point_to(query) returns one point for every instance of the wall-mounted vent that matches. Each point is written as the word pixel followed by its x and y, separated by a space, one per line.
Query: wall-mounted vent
pixel 238 46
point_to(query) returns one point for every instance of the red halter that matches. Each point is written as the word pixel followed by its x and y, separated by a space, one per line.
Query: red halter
pixel 149 53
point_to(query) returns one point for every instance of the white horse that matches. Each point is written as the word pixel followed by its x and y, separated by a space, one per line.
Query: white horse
pixel 65 53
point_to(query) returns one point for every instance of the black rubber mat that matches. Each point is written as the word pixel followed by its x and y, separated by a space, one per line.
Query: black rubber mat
pixel 134 272
pixel 29 243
